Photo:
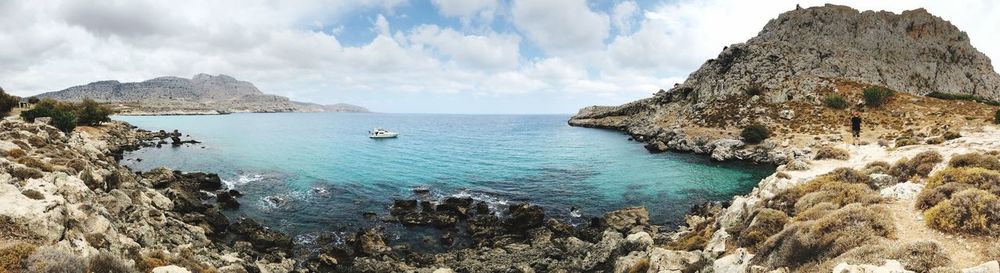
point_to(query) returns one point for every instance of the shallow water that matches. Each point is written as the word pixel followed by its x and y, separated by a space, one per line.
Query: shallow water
pixel 311 172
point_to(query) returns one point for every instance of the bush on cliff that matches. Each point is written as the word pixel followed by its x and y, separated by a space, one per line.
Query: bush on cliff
pixel 996 117
pixel 755 133
pixel 12 255
pixel 105 262
pixel 972 211
pixel 835 101
pixel 877 96
pixel 7 103
pixel 763 225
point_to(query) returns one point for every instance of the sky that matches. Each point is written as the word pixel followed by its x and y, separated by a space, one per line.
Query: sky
pixel 408 56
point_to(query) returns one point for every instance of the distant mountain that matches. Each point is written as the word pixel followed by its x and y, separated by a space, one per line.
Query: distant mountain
pixel 202 94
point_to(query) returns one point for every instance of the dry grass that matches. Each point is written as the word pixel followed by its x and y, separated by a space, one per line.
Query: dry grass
pixel 11 256
pixel 830 152
pixel 35 163
pixel 696 239
pixel 16 153
pixel 920 166
pixel 763 225
pixel 970 211
pixel 640 267
pixel 808 243
pixel 838 187
pixel 984 161
pixel 48 259
pixel 877 167
pixel 24 173
pixel 105 262
pixel 919 256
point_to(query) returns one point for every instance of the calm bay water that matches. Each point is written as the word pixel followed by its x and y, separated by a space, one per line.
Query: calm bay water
pixel 311 172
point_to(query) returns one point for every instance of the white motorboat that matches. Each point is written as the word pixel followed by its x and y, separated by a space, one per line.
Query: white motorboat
pixel 381 133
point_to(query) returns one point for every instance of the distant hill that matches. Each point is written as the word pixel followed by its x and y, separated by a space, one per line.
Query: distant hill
pixel 202 94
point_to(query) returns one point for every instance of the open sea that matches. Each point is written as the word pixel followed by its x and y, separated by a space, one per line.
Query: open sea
pixel 306 173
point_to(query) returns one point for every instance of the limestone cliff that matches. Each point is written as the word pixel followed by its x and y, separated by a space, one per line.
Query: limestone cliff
pixel 799 58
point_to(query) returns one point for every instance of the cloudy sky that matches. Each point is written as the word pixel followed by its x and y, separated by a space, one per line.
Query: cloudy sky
pixel 413 56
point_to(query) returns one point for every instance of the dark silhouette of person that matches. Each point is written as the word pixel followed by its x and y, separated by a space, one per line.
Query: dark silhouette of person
pixel 856 127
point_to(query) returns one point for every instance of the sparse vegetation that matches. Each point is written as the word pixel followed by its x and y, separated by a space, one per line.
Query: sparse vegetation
pixel 753 90
pixel 835 101
pixel 763 225
pixel 12 255
pixel 906 141
pixel 755 133
pixel 105 262
pixel 877 96
pixel 919 256
pixel 877 167
pixel 969 97
pixel 48 259
pixel 640 267
pixel 839 187
pixel 949 135
pixel 16 153
pixel 830 152
pixel 996 117
pixel 24 173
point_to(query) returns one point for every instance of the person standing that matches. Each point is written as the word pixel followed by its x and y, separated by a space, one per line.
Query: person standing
pixel 856 127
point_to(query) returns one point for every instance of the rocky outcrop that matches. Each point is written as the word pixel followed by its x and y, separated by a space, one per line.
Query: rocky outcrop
pixel 68 192
pixel 800 57
pixel 203 94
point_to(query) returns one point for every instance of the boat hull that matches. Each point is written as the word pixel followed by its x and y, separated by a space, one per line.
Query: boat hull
pixel 388 135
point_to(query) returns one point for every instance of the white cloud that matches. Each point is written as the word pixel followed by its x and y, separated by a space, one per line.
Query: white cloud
pixel 463 8
pixel 561 26
pixel 588 56
pixel 491 51
pixel 622 16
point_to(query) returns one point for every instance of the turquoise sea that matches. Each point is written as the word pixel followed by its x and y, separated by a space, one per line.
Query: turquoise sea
pixel 315 172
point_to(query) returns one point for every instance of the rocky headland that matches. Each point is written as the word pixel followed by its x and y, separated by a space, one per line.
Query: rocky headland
pixel 203 94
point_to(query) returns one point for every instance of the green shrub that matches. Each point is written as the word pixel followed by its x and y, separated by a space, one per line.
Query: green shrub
pixel 877 96
pixel 952 96
pixel 830 152
pixel 63 114
pixel 92 114
pixel 835 101
pixel 53 260
pixel 12 255
pixel 754 90
pixel 984 161
pixel 972 211
pixel 755 133
pixel 7 103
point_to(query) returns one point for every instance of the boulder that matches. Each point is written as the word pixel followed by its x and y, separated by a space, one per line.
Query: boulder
pixel 524 217
pixel 987 267
pixel 624 220
pixel 262 238
pixel 170 269
pixel 908 190
pixel 371 242
pixel 725 149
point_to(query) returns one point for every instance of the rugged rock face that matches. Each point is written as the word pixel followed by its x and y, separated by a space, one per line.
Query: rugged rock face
pixel 202 94
pixel 795 61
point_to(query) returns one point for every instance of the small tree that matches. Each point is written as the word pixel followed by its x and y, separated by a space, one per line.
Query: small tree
pixel 7 102
pixel 63 114
pixel 835 101
pixel 755 133
pixel 33 100
pixel 91 113
pixel 877 96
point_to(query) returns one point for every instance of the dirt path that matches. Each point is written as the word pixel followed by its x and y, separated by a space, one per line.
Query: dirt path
pixel 964 251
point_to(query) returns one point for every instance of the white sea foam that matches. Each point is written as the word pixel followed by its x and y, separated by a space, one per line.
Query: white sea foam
pixel 241 180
